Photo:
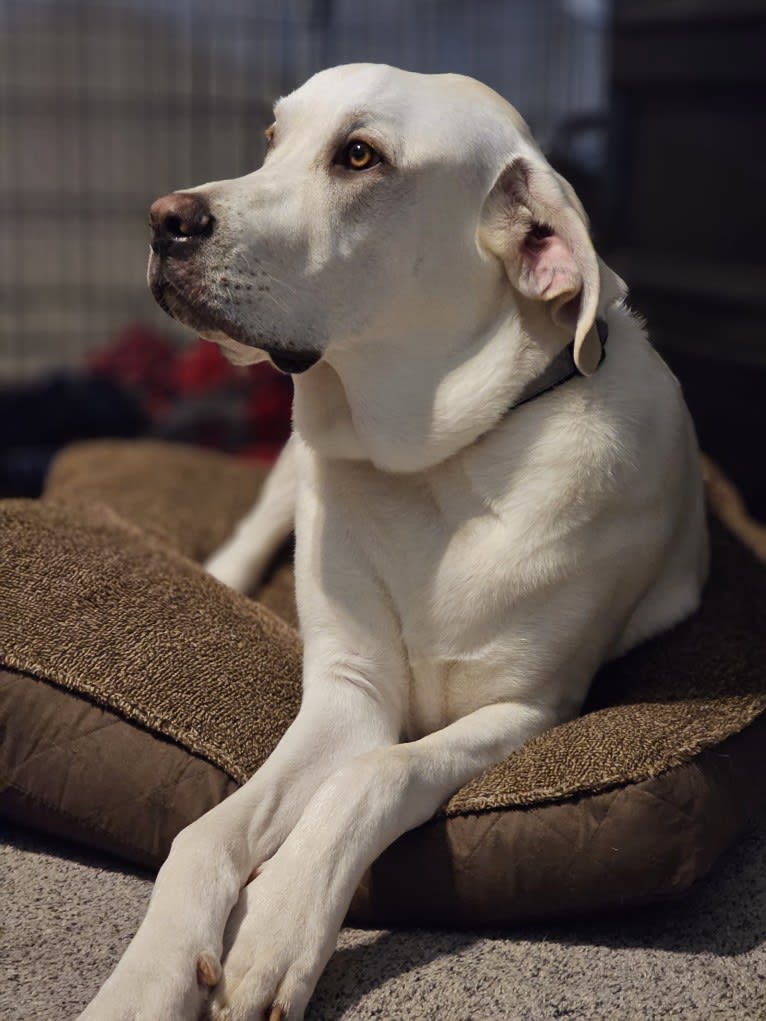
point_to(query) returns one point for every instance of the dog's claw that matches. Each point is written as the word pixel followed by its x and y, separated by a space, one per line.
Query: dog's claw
pixel 277 1013
pixel 208 969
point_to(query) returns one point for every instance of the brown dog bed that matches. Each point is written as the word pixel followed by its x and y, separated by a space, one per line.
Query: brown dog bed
pixel 137 692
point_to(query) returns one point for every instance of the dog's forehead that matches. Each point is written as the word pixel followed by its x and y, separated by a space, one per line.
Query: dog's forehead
pixel 452 107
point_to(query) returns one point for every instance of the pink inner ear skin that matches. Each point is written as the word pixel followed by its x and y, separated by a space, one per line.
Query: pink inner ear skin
pixel 549 268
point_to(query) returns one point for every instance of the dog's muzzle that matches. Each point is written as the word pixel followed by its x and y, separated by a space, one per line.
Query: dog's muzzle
pixel 180 222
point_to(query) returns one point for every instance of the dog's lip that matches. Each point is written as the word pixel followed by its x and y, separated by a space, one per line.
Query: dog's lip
pixel 174 302
pixel 203 320
pixel 158 293
pixel 293 362
pixel 163 289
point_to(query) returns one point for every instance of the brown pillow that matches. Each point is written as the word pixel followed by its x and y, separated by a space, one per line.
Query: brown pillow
pixel 138 692
pixel 76 770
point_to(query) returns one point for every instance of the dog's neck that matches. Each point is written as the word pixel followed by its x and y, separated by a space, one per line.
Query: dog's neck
pixel 410 405
pixel 560 370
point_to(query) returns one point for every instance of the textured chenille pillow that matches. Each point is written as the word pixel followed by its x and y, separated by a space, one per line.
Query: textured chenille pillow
pixel 136 692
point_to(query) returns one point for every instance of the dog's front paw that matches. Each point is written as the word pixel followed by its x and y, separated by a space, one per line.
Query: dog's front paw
pixel 156 988
pixel 231 565
pixel 281 934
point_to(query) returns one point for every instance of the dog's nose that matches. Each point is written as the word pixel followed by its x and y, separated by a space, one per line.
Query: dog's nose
pixel 178 221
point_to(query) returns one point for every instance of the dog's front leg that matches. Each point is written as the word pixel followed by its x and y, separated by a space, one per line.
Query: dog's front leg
pixel 241 561
pixel 166 972
pixel 285 927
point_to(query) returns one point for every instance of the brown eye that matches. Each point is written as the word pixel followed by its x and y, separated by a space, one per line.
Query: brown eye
pixel 358 156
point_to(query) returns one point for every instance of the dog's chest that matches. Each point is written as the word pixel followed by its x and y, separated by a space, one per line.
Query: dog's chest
pixel 454 557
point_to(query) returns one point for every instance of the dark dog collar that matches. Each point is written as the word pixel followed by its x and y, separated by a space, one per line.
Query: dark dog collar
pixel 559 371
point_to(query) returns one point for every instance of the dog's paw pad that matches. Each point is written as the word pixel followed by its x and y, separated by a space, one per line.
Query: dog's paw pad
pixel 208 970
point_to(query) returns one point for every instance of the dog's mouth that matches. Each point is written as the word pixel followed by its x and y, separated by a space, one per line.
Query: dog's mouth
pixel 178 306
pixel 212 325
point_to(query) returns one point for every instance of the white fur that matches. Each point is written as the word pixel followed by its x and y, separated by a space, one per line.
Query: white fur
pixel 461 572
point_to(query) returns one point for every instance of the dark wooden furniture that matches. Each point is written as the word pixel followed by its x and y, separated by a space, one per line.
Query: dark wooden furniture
pixel 686 200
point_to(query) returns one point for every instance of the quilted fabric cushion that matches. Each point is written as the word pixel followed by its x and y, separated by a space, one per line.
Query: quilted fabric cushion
pixel 138 692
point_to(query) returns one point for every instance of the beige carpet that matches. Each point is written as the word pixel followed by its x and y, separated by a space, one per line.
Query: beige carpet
pixel 67 915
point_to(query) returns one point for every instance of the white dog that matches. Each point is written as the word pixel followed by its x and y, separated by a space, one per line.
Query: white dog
pixel 491 499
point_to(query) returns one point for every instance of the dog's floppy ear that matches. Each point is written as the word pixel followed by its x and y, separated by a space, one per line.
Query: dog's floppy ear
pixel 534 223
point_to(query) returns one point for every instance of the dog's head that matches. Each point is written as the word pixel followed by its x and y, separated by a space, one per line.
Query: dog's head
pixel 398 220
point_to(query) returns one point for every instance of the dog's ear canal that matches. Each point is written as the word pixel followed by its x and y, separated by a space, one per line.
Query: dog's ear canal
pixel 534 222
